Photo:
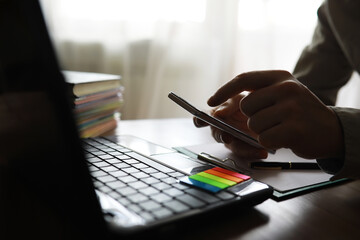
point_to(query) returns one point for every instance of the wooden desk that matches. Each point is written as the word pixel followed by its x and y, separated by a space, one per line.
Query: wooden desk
pixel 331 213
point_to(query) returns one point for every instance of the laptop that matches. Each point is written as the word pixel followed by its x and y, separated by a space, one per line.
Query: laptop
pixel 102 186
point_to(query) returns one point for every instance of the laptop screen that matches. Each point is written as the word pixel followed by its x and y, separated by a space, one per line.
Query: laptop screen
pixel 45 183
pixel 40 152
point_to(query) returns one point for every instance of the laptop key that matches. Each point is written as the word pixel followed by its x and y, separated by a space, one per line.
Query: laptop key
pixel 161 186
pixel 93 159
pixel 98 184
pixel 150 205
pixel 109 169
pixel 115 153
pixel 123 157
pixel 181 186
pixel 126 191
pixel 148 191
pixel 139 165
pixel 176 206
pixel 93 168
pixel 105 148
pixel 122 165
pixel 140 175
pixel 177 174
pixel 225 195
pixel 135 208
pixel 106 179
pixel 128 179
pixel 169 180
pixel 147 216
pixel 131 161
pixel 149 170
pixel 105 189
pixel 150 162
pixel 173 192
pixel 97 152
pixel 161 197
pixel 106 156
pixel 124 201
pixel 130 170
pixel 114 195
pixel 118 173
pixel 209 198
pixel 101 164
pixel 162 213
pixel 137 198
pixel 159 175
pixel 150 180
pixel 113 161
pixel 98 173
pixel 116 184
pixel 139 185
pixel 191 201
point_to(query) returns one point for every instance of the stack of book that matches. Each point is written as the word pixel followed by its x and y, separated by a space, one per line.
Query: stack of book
pixel 97 101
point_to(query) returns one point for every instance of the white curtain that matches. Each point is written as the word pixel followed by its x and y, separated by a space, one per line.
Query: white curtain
pixel 190 47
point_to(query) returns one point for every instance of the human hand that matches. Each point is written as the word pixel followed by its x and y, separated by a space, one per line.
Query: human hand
pixel 230 113
pixel 285 114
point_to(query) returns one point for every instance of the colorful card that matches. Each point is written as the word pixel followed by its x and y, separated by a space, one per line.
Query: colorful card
pixel 215 179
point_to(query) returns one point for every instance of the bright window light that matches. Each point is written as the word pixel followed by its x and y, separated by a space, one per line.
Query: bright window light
pixel 257 14
pixel 134 10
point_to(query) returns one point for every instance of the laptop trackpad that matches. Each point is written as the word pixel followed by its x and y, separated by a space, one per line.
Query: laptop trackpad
pixel 182 163
pixel 168 157
pixel 139 145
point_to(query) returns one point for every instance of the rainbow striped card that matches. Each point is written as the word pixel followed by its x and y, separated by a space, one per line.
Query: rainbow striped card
pixel 215 179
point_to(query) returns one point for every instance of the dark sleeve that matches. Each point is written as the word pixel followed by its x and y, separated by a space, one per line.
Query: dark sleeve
pixel 349 166
pixel 322 66
pixel 325 66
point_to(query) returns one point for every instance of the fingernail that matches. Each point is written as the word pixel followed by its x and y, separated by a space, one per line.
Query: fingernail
pixel 218 137
pixel 210 101
pixel 195 122
pixel 221 138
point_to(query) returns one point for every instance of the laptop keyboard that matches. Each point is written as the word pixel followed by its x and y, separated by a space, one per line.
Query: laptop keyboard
pixel 147 188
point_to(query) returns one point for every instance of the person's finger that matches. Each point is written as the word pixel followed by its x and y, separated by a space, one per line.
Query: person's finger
pixel 224 111
pixel 267 118
pixel 257 100
pixel 221 136
pixel 267 96
pixel 277 137
pixel 228 108
pixel 216 133
pixel 247 82
pixel 199 123
pixel 226 137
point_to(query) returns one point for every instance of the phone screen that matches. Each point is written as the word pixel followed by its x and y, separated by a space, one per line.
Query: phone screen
pixel 216 122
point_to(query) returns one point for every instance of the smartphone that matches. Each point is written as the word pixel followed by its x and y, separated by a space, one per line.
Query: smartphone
pixel 215 122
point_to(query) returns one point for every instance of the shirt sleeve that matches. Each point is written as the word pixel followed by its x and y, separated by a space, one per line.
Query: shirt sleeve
pixel 350 165
pixel 323 66
pixel 324 69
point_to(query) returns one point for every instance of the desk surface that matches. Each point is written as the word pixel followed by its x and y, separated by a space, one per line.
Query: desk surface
pixel 330 213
